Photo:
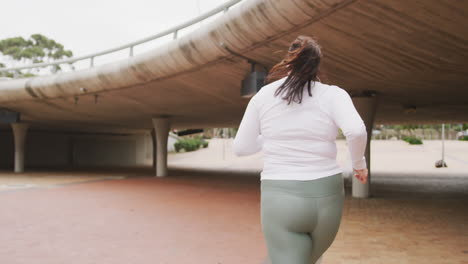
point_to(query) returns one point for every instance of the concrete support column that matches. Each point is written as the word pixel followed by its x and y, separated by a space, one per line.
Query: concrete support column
pixel 161 127
pixel 366 105
pixel 153 137
pixel 19 133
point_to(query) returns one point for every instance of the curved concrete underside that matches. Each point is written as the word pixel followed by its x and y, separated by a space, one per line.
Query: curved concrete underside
pixel 414 53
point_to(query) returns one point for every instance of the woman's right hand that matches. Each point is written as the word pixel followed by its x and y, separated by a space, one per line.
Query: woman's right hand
pixel 361 175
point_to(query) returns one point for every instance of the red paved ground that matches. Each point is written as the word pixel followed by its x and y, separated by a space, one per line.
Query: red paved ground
pixel 212 217
pixel 140 220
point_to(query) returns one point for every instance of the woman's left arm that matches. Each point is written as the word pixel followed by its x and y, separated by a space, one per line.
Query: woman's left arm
pixel 248 139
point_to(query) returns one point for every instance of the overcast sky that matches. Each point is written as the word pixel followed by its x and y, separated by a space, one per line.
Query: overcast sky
pixel 88 26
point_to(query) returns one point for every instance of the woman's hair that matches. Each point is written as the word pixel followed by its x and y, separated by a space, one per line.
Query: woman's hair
pixel 302 61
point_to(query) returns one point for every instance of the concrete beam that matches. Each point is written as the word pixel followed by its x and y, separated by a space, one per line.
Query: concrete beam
pixel 161 128
pixel 366 105
pixel 19 133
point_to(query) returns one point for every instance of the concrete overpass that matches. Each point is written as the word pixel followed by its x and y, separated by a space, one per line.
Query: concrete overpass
pixel 411 55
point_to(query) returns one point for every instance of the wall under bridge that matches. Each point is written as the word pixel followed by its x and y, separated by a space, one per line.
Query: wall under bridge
pixel 71 149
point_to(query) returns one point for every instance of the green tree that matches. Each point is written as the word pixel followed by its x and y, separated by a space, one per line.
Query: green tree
pixel 36 49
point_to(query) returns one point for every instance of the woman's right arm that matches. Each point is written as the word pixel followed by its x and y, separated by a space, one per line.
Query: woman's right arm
pixel 350 122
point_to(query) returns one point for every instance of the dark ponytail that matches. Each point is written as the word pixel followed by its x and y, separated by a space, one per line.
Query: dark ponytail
pixel 302 61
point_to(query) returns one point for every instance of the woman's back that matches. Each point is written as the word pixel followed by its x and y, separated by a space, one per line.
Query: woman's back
pixel 298 140
pixel 302 189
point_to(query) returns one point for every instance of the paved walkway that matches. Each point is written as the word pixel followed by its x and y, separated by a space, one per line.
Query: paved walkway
pixel 10 181
pixel 397 157
pixel 212 216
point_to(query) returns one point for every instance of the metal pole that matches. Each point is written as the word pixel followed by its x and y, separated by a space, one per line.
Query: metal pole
pixel 224 143
pixel 443 145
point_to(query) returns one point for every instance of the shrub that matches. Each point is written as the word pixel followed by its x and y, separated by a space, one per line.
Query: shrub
pixel 463 138
pixel 178 146
pixel 190 144
pixel 412 140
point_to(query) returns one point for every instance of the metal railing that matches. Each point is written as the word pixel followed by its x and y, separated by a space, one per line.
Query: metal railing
pixel 174 30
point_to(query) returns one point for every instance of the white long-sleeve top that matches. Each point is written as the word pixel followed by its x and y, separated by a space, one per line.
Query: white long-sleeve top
pixel 298 140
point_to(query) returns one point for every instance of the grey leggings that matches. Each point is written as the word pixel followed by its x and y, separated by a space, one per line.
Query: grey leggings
pixel 300 219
